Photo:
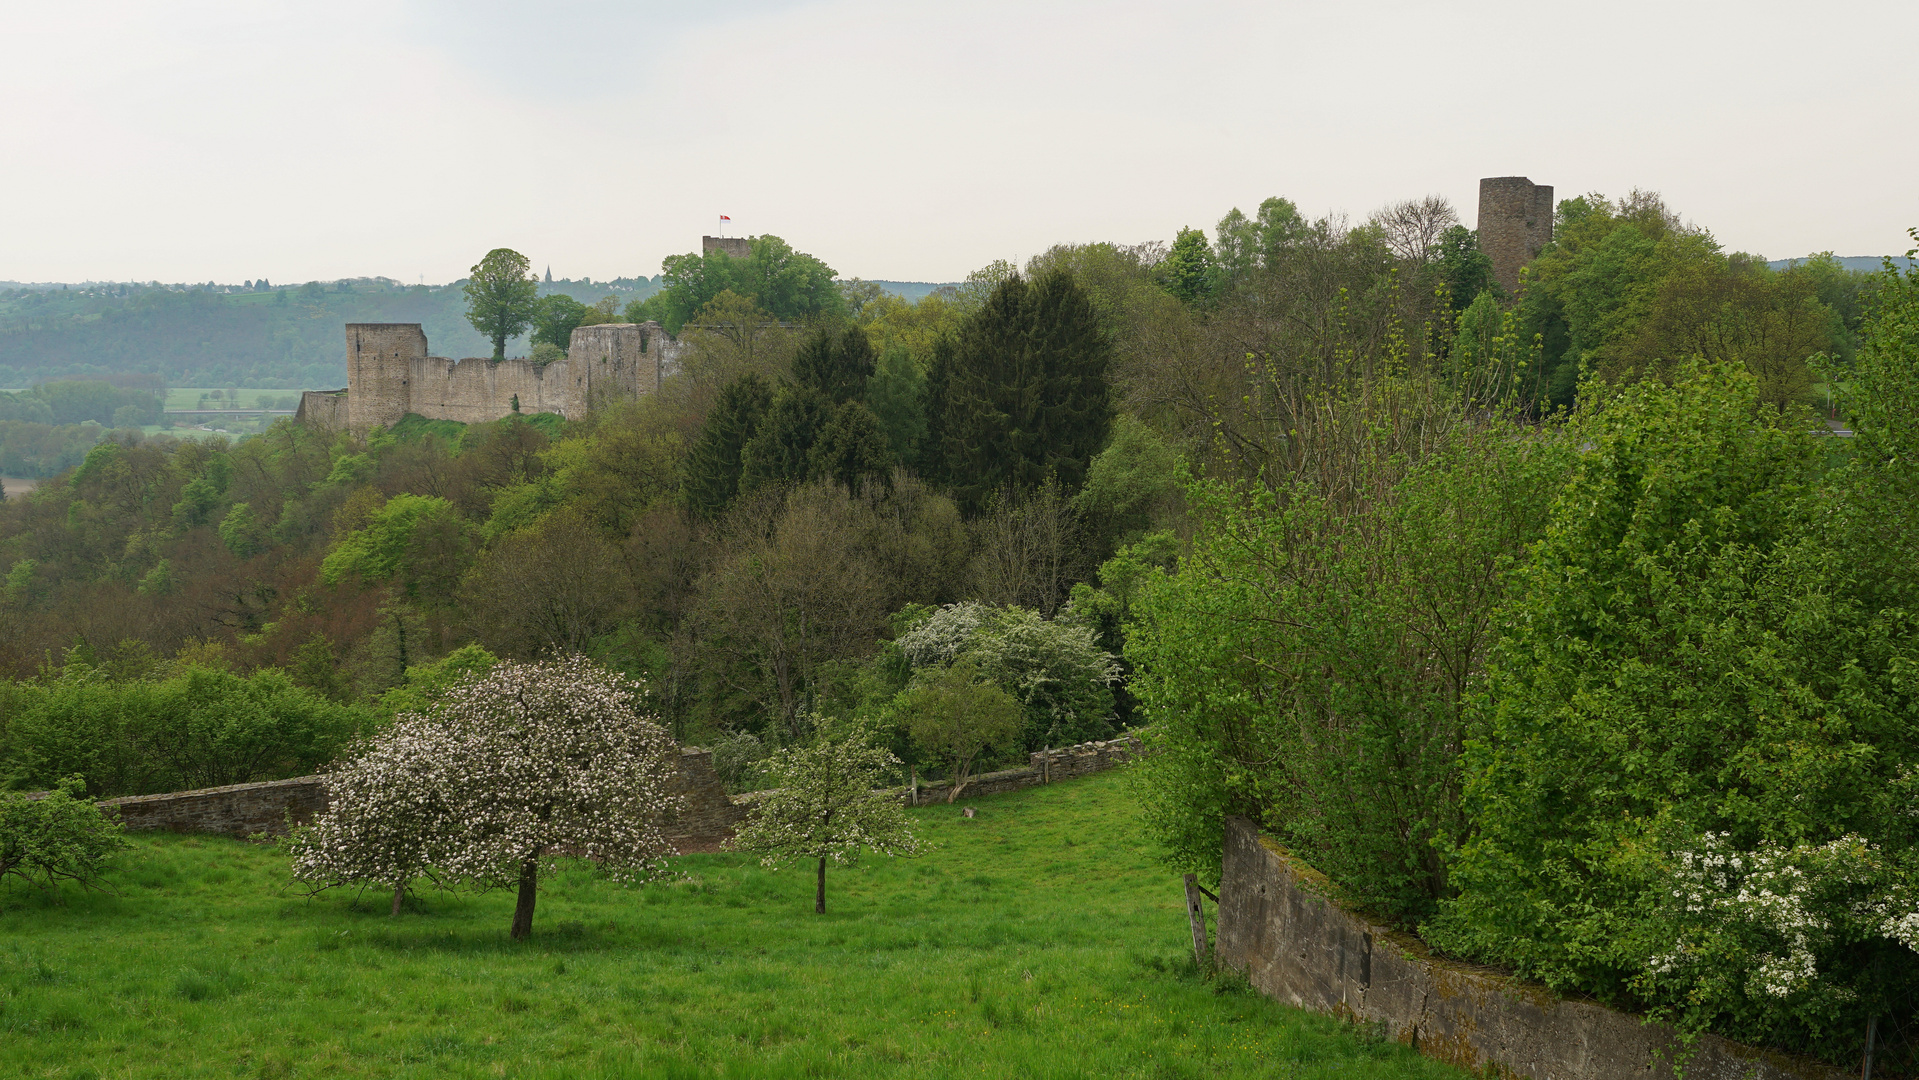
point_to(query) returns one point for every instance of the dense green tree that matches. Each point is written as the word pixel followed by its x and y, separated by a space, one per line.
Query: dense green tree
pixel 555 318
pixel 1463 268
pixel 1189 270
pixel 1025 392
pixel 897 395
pixel 713 464
pixel 836 364
pixel 502 297
pixel 792 285
pixel 781 451
pixel 851 449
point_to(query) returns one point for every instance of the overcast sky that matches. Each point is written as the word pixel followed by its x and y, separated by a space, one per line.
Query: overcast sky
pixel 215 140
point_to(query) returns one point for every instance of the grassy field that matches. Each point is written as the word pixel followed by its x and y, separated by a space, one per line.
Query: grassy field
pixel 188 397
pixel 1036 940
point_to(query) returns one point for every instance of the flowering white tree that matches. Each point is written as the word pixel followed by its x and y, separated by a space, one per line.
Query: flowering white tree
pixel 509 769
pixel 826 808
pixel 388 813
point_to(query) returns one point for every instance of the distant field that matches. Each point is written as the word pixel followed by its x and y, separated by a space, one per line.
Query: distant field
pixel 185 397
pixel 1036 940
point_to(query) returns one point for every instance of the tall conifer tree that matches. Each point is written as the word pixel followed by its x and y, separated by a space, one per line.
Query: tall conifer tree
pixel 713 465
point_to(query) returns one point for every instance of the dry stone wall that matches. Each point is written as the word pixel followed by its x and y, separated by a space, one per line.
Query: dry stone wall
pixel 708 818
pixel 1277 925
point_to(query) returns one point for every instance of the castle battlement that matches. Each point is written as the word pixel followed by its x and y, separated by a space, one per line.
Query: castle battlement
pixel 1515 223
pixel 390 374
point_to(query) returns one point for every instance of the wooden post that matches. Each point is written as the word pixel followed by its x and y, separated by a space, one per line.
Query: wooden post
pixel 1046 767
pixel 1872 1028
pixel 1198 916
pixel 916 785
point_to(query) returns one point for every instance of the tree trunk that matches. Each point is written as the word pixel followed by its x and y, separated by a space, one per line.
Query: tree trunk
pixel 523 911
pixel 399 893
pixel 819 898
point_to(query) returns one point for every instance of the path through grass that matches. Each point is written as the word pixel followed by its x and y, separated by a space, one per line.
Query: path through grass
pixel 1036 940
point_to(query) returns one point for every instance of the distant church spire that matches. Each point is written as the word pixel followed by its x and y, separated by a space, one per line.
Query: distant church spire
pixel 549 274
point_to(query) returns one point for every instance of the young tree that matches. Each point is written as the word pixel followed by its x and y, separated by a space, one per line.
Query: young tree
pixel 554 319
pixel 58 837
pixel 955 713
pixel 502 297
pixel 1189 270
pixel 826 807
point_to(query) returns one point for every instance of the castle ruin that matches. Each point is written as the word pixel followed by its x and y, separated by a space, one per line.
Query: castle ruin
pixel 390 374
pixel 738 247
pixel 1515 223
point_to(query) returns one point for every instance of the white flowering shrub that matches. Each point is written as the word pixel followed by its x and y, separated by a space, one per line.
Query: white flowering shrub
pixel 508 770
pixel 826 808
pixel 1054 668
pixel 1773 933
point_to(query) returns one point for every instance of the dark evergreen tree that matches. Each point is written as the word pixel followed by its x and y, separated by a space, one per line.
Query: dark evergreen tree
pixel 837 365
pixel 897 395
pixel 852 449
pixel 1023 394
pixel 780 452
pixel 931 459
pixel 1075 409
pixel 712 469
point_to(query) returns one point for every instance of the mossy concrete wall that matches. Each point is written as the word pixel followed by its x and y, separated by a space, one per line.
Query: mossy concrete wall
pixel 1277 925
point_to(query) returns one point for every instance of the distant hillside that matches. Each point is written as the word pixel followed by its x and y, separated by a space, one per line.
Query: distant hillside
pixel 912 291
pixel 234 335
pixel 1864 264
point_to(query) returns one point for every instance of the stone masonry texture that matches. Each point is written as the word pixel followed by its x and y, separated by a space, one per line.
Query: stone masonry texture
pixel 1277 925
pixel 739 247
pixel 1515 223
pixel 391 374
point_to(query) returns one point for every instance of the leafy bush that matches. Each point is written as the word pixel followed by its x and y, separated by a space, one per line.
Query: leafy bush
pixel 58 837
pixel 1054 668
pixel 1692 787
pixel 1311 663
pixel 200 728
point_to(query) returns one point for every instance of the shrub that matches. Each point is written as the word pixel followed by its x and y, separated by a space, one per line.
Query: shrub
pixel 203 727
pixel 58 837
pixel 1055 669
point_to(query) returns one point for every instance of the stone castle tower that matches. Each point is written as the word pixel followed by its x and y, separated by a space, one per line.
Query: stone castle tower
pixel 1515 222
pixel 738 247
pixel 390 374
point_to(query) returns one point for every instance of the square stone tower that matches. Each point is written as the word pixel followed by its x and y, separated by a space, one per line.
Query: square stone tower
pixel 1515 223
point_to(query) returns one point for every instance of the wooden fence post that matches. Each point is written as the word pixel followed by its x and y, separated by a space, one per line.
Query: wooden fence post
pixel 916 785
pixel 1198 916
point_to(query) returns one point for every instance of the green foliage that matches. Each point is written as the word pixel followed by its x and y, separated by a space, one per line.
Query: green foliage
pixel 58 837
pixel 897 396
pixel 1311 662
pixel 554 319
pixel 426 682
pixel 1023 394
pixel 1262 241
pixel 1189 271
pixel 792 285
pixel 502 297
pixel 242 533
pixel 1054 669
pixel 416 539
pixel 1691 670
pixel 852 450
pixel 836 365
pixel 781 449
pixel 201 727
pixel 824 805
pixel 1133 484
pixel 81 401
pixel 955 714
pixel 1464 270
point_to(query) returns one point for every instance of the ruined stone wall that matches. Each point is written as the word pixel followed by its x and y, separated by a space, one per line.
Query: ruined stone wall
pixel 1515 223
pixel 1278 927
pixel 739 247
pixel 710 814
pixel 390 374
pixel 323 409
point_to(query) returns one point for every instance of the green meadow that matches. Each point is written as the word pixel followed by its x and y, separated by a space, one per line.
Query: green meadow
pixel 1035 940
